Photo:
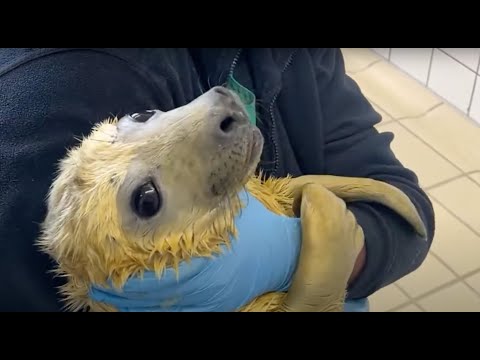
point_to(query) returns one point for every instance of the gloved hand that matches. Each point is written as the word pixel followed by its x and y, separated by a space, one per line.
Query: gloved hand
pixel 263 258
pixel 332 238
pixel 331 242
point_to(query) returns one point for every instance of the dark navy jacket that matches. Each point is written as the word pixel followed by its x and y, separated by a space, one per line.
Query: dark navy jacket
pixel 314 118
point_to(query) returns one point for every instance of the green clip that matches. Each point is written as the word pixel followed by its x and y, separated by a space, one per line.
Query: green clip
pixel 247 97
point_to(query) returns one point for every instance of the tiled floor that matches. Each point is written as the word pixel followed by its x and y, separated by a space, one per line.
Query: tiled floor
pixel 443 147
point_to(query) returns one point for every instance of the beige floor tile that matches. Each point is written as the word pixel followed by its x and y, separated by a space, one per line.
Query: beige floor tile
pixel 385 117
pixel 394 91
pixel 450 133
pixel 409 308
pixel 386 299
pixel 429 166
pixel 430 275
pixel 476 177
pixel 474 281
pixel 454 243
pixel 455 298
pixel 358 59
pixel 462 197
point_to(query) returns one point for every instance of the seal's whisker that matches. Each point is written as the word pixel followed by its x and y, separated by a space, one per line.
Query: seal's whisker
pixel 261 105
pixel 259 119
pixel 186 117
pixel 221 76
pixel 208 81
pixel 102 141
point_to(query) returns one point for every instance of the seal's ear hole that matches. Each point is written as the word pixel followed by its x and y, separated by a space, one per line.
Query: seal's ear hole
pixel 146 200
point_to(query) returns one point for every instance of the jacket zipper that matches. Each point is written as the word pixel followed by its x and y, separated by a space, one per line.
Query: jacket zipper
pixel 234 62
pixel 273 133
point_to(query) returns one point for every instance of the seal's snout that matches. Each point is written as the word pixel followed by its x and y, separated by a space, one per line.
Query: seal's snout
pixel 223 97
pixel 222 91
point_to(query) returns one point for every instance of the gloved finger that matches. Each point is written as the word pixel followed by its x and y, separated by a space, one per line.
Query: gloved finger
pixel 320 280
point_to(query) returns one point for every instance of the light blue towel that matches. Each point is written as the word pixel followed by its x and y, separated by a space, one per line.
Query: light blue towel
pixel 360 305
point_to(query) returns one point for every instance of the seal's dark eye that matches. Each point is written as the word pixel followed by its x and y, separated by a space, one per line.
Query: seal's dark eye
pixel 146 200
pixel 143 116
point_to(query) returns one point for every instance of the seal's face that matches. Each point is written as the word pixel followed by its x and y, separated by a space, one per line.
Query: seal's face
pixel 134 182
pixel 187 161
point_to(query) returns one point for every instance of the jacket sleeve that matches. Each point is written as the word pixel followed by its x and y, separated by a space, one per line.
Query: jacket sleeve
pixel 355 148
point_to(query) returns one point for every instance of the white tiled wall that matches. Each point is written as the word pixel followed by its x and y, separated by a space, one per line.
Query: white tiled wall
pixel 452 73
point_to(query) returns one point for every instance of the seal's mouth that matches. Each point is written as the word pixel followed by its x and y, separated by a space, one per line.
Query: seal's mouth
pixel 253 155
pixel 254 150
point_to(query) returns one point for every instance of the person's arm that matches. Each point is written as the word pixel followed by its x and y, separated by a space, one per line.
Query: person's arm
pixel 355 148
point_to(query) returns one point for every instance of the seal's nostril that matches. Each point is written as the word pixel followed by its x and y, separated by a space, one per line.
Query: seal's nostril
pixel 227 124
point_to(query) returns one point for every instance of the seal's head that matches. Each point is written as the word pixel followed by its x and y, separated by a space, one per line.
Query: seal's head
pixel 132 194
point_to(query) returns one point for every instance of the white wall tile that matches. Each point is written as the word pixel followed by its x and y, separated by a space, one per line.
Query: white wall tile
pixel 467 56
pixel 451 80
pixel 382 51
pixel 414 61
pixel 475 109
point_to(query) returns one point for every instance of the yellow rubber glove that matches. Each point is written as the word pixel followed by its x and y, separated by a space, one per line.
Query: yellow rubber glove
pixel 331 242
pixel 332 238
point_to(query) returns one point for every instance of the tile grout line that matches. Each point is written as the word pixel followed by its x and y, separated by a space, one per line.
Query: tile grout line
pixel 403 305
pixel 400 119
pixel 473 179
pixel 381 108
pixel 460 280
pixel 471 288
pixel 426 112
pixel 463 173
pixel 404 292
pixel 414 300
pixel 446 182
pixel 467 174
pixel 457 278
pixel 428 293
pixel 474 88
pixel 429 67
pixel 351 73
pixel 432 148
pixel 458 61
pixel 383 122
pixel 470 102
pixel 454 215
pixel 441 261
